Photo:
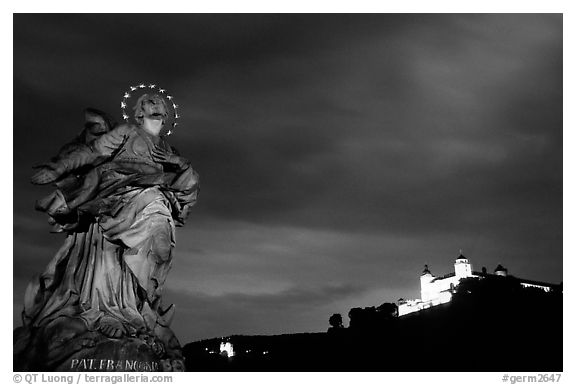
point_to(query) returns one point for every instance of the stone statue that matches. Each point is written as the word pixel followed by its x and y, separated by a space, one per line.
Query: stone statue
pixel 120 192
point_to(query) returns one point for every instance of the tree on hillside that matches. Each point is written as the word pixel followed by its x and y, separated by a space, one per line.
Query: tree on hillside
pixel 336 321
pixel 387 310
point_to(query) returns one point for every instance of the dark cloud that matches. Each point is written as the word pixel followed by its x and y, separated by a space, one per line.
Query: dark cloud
pixel 334 150
pixel 256 314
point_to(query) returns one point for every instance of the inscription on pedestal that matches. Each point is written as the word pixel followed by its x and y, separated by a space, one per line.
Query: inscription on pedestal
pixel 102 364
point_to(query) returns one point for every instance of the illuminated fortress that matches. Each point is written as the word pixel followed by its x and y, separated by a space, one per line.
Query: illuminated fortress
pixel 438 290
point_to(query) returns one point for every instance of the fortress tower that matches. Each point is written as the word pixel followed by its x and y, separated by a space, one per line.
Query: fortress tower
pixel 426 286
pixel 462 268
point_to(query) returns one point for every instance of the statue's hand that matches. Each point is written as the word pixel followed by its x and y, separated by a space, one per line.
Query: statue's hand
pixel 161 156
pixel 44 175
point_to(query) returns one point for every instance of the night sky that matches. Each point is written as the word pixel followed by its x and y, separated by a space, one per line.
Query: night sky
pixel 337 154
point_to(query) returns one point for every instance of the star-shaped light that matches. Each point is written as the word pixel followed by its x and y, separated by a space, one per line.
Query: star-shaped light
pixel 126 95
pixel 175 105
pixel 125 116
pixel 169 132
pixel 122 104
pixel 162 90
pixel 174 124
pixel 169 97
pixel 176 116
pixel 133 88
pixel 152 85
pixel 142 86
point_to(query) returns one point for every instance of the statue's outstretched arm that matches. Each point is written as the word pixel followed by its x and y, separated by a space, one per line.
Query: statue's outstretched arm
pixel 84 154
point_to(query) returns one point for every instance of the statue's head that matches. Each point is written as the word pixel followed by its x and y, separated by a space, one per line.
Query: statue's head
pixel 151 106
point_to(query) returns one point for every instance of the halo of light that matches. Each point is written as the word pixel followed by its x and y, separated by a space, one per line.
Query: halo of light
pixel 128 95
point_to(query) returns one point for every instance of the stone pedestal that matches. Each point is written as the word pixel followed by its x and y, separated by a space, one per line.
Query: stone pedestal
pixel 121 355
pixel 91 351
